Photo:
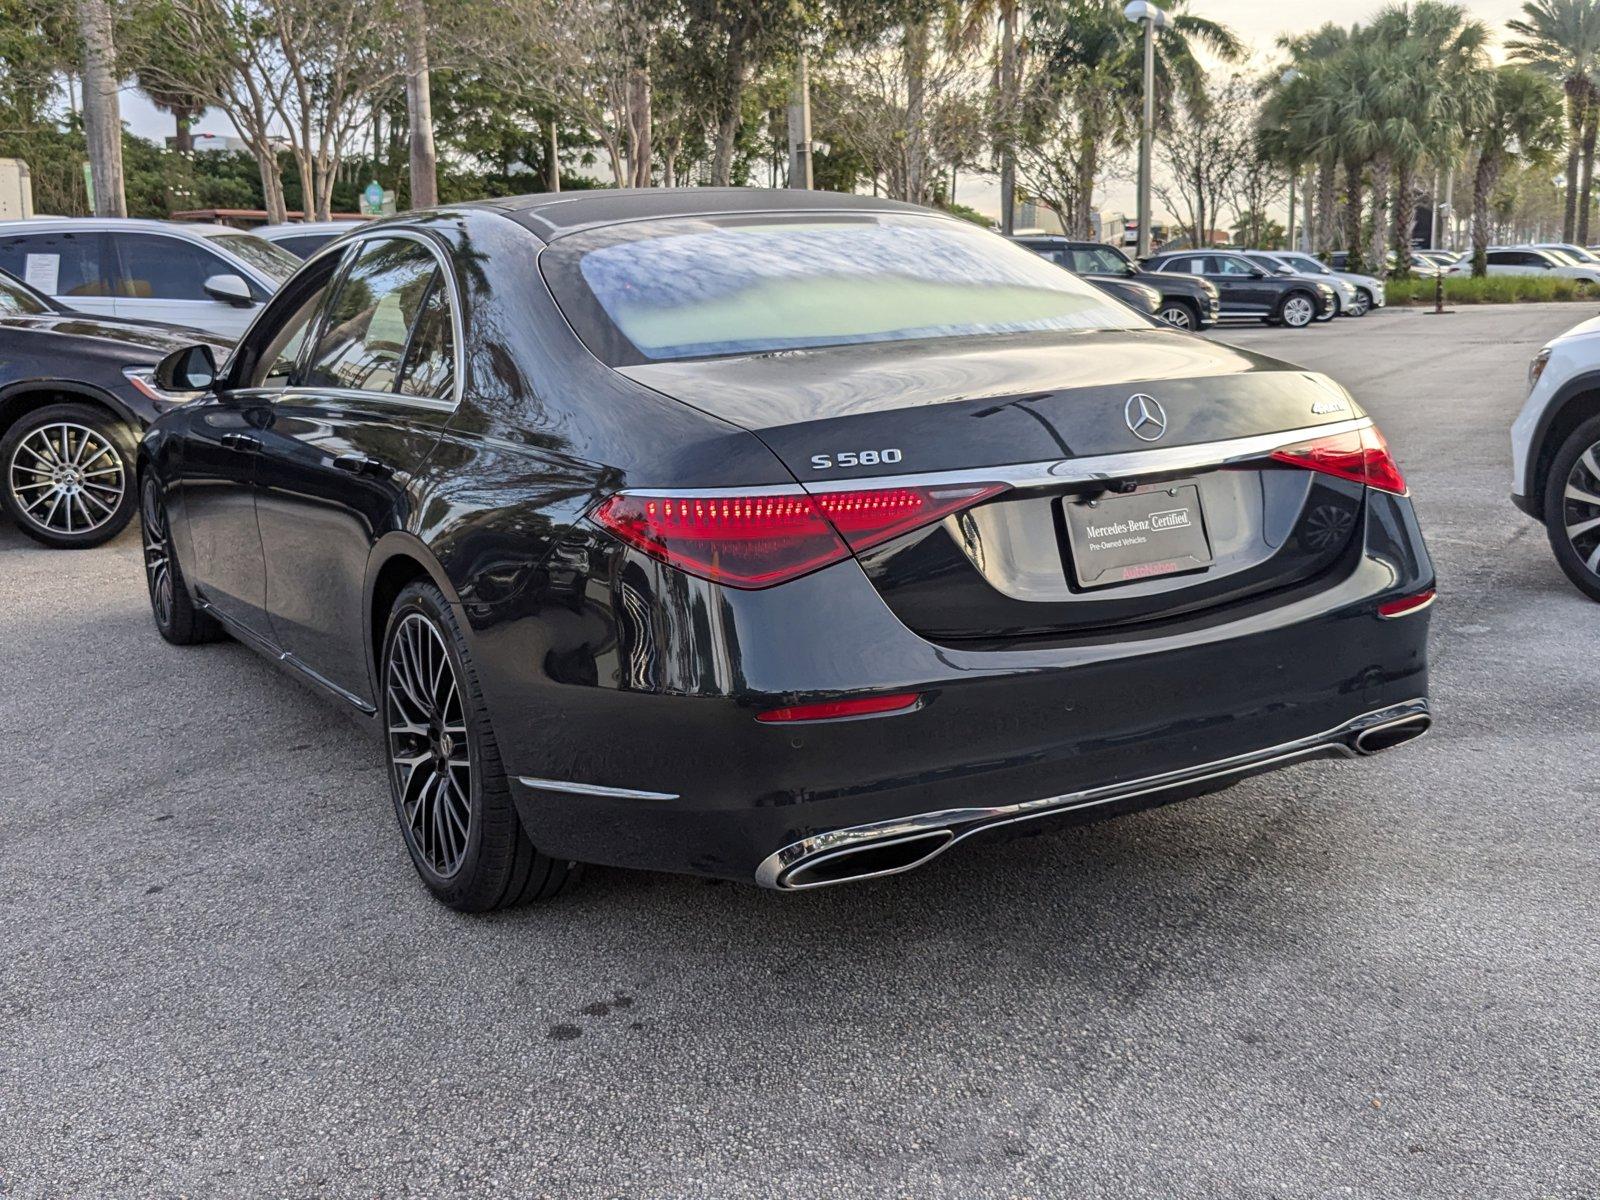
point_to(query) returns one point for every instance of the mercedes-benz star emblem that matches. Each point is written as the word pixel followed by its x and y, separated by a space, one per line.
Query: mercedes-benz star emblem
pixel 1145 417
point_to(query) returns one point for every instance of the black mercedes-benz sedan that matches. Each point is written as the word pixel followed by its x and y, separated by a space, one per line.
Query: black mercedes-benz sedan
pixel 75 394
pixel 778 536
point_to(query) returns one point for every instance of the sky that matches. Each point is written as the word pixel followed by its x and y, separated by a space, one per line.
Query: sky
pixel 1257 22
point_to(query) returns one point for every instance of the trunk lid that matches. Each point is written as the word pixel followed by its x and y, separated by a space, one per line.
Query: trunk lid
pixel 1061 552
pixel 993 401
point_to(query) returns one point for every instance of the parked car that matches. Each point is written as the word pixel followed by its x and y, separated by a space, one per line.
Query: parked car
pixel 1369 292
pixel 1138 296
pixel 1248 289
pixel 1577 254
pixel 75 393
pixel 779 536
pixel 1422 267
pixel 206 277
pixel 1555 451
pixel 1344 294
pixel 1185 302
pixel 304 238
pixel 1530 260
pixel 1441 258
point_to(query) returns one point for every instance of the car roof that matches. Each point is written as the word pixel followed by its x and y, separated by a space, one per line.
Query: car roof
pixel 556 214
pixel 296 228
pixel 199 229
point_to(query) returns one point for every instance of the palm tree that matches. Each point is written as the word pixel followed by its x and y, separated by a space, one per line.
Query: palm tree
pixel 977 18
pixel 1301 119
pixel 1561 39
pixel 1430 78
pixel 1523 117
pixel 1093 49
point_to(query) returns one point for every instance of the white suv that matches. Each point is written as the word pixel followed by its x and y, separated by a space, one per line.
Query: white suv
pixel 206 277
pixel 1555 450
pixel 1530 260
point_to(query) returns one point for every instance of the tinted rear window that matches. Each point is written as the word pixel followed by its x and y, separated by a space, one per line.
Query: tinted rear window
pixel 703 288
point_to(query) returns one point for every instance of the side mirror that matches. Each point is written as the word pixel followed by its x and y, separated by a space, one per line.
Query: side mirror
pixel 230 289
pixel 192 369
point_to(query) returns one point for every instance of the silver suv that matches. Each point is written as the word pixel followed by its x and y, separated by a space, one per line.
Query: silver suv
pixel 207 277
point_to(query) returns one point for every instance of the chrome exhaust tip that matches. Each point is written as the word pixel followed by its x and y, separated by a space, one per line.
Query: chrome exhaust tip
pixel 1392 733
pixel 869 860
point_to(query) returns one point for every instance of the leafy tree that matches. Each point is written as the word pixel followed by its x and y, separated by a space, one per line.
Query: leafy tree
pixel 1092 56
pixel 1561 39
pixel 1523 118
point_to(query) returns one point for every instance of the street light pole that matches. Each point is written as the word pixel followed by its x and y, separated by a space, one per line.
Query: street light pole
pixel 1142 12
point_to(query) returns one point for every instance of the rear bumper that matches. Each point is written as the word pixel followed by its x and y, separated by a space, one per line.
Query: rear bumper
pixel 842 855
pixel 625 707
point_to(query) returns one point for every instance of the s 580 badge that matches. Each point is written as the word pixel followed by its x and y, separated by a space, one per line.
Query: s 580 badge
pixel 855 458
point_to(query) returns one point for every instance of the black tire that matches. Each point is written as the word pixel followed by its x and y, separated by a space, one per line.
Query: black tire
pixel 1363 304
pixel 491 864
pixel 176 617
pixel 1297 310
pixel 1180 314
pixel 68 465
pixel 1576 467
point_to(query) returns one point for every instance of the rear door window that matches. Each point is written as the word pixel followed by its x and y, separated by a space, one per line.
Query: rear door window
pixel 63 263
pixel 368 327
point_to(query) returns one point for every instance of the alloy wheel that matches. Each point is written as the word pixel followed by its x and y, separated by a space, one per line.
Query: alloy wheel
pixel 1362 304
pixel 1581 508
pixel 1178 316
pixel 1297 312
pixel 429 753
pixel 67 478
pixel 157 553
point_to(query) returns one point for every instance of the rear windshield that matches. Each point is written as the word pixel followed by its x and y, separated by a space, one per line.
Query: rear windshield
pixel 704 288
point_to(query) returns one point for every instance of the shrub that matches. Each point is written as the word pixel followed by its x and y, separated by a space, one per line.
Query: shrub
pixel 1491 289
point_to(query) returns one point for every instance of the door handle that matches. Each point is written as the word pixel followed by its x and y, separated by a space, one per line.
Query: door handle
pixel 241 441
pixel 360 464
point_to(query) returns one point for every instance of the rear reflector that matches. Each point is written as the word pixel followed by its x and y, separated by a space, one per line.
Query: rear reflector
pixel 833 710
pixel 751 540
pixel 1360 455
pixel 1407 604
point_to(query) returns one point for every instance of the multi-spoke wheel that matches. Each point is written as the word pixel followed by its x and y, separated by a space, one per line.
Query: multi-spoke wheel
pixel 1179 314
pixel 177 618
pixel 1572 507
pixel 157 553
pixel 1363 303
pixel 66 475
pixel 429 754
pixel 1298 311
pixel 450 788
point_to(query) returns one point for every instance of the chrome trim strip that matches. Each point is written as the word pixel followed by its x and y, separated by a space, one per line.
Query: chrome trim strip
pixel 593 789
pixel 269 649
pixel 1101 467
pixel 966 821
pixel 775 489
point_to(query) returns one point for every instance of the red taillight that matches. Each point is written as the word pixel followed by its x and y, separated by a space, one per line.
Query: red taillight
pixel 1360 455
pixel 1406 604
pixel 833 710
pixel 755 541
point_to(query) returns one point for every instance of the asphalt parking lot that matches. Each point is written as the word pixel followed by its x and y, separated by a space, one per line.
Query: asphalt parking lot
pixel 219 976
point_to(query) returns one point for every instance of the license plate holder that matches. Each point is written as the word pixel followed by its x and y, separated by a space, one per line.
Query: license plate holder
pixel 1123 539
